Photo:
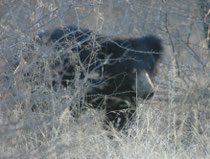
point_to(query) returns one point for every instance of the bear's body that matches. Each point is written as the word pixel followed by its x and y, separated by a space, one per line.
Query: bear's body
pixel 115 68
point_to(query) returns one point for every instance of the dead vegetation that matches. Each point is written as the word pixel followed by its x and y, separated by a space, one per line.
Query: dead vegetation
pixel 175 123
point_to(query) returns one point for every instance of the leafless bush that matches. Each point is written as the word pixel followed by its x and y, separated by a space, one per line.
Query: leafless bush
pixel 174 124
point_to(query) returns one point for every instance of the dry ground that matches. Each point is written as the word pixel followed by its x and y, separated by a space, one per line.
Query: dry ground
pixel 175 123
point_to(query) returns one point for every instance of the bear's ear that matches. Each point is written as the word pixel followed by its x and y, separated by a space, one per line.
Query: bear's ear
pixel 149 44
pixel 155 45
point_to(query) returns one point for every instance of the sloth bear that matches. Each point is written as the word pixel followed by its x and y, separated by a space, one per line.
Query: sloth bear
pixel 117 70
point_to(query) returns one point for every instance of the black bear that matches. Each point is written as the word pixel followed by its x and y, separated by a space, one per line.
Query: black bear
pixel 117 70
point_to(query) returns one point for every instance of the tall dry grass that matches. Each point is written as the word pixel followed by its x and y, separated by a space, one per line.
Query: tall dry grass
pixel 175 123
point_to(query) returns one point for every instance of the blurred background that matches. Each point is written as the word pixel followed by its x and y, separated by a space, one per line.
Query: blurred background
pixel 175 123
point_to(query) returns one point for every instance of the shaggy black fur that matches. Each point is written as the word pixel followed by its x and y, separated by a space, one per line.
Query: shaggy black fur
pixel 113 66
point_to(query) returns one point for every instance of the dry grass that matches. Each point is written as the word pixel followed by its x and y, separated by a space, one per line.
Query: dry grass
pixel 175 123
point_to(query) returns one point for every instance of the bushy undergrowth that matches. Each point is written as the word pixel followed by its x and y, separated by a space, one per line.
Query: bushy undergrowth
pixel 36 122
